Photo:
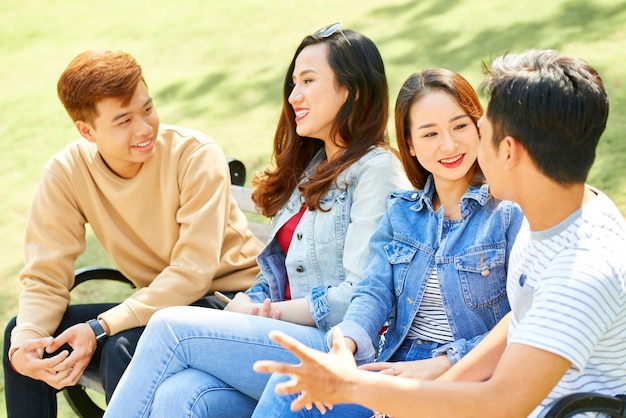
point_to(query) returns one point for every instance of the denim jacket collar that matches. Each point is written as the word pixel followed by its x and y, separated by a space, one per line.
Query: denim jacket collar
pixel 474 195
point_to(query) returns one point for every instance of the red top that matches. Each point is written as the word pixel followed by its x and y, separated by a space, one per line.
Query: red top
pixel 284 236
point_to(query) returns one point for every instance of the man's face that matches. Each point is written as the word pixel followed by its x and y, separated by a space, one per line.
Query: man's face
pixel 125 136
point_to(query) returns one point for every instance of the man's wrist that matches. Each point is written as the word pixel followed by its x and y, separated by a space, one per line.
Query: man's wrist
pixel 98 330
pixel 11 358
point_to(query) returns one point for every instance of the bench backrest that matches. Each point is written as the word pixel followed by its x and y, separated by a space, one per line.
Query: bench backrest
pixel 258 224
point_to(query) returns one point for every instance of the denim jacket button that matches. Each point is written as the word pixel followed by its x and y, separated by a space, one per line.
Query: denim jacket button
pixel 298 236
pixel 485 273
pixel 300 269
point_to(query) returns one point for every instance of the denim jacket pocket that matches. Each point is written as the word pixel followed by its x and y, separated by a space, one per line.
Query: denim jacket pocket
pixel 331 217
pixel 399 256
pixel 483 275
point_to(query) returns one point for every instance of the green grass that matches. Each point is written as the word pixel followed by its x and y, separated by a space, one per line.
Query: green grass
pixel 217 66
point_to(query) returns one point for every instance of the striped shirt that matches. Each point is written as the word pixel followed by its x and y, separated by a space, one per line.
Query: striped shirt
pixel 567 289
pixel 430 322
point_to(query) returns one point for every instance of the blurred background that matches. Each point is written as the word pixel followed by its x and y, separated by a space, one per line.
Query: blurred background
pixel 218 66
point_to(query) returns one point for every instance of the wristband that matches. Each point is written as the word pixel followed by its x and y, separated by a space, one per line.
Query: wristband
pixel 101 335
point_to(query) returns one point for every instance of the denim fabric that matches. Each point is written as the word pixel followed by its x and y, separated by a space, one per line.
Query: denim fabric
pixel 216 349
pixel 471 257
pixel 330 248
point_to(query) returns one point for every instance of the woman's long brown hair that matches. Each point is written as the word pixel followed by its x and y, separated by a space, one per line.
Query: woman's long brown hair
pixel 360 123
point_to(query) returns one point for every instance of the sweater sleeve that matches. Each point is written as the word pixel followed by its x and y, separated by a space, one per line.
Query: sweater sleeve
pixel 54 238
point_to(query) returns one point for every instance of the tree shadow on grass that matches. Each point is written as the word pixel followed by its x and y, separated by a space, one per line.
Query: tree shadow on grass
pixel 425 44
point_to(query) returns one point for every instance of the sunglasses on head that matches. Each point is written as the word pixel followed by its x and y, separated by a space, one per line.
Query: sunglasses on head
pixel 329 30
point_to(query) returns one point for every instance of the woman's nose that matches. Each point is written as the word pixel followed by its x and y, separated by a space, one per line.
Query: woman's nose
pixel 295 96
pixel 449 142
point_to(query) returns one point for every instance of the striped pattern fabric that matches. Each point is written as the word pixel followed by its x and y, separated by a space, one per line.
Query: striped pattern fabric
pixel 430 322
pixel 567 288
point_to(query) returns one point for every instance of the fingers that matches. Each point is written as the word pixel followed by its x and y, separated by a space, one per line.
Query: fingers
pixel 323 407
pixel 265 308
pixel 374 367
pixel 339 342
pixel 59 379
pixel 382 368
pixel 318 405
pixel 268 366
pixel 300 350
pixel 38 344
pixel 58 342
pixel 337 337
pixel 222 297
pixel 303 401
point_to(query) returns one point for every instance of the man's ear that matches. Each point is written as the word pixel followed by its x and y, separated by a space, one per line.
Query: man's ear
pixel 86 130
pixel 513 151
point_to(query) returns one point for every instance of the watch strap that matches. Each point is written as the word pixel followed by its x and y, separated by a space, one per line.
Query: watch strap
pixel 97 329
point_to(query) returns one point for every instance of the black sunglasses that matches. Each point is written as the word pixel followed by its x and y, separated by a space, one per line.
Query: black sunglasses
pixel 330 30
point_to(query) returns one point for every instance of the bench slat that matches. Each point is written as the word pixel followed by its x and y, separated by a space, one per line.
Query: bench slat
pixel 243 197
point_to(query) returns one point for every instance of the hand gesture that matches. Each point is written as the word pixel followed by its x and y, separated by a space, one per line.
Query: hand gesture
pixel 320 378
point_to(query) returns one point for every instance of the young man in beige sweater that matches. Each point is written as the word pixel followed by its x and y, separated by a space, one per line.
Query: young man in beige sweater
pixel 158 200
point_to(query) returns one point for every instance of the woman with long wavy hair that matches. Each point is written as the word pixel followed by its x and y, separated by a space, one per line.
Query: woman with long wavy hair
pixel 326 193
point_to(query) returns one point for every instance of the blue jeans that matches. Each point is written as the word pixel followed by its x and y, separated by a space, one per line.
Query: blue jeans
pixel 278 406
pixel 194 362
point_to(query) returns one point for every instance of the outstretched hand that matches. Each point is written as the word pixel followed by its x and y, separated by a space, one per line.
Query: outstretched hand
pixel 321 379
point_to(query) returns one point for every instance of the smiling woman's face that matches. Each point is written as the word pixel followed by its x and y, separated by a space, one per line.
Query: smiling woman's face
pixel 316 97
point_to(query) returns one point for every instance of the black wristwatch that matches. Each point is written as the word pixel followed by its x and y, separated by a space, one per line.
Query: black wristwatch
pixel 101 335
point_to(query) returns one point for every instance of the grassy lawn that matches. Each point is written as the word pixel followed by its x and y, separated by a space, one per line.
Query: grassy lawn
pixel 217 66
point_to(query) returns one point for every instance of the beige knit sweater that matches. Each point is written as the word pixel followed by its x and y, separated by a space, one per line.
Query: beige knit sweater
pixel 174 230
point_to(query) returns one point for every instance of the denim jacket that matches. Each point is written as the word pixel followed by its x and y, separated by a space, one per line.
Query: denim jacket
pixel 471 256
pixel 329 250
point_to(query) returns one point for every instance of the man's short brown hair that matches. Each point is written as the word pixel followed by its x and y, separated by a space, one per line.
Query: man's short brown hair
pixel 95 75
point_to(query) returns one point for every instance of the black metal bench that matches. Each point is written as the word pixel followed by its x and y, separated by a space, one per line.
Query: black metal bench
pixel 578 403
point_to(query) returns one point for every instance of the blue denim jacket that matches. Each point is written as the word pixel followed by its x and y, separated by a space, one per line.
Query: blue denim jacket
pixel 329 250
pixel 471 255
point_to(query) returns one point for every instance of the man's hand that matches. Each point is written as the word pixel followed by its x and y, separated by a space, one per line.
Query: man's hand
pixel 83 342
pixel 321 379
pixel 428 369
pixel 62 369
